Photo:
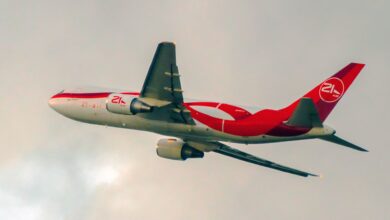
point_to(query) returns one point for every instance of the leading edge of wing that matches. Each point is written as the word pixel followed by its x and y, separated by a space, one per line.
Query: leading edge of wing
pixel 235 153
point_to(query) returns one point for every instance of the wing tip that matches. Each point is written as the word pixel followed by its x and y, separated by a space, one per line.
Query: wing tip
pixel 167 43
pixel 358 64
pixel 363 150
pixel 313 175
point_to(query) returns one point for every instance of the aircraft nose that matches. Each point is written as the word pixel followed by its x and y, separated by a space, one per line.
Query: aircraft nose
pixel 53 103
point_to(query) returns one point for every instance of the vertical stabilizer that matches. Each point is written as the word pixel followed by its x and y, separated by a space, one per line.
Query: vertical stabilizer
pixel 326 95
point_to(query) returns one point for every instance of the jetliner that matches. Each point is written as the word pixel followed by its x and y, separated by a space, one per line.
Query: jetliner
pixel 199 127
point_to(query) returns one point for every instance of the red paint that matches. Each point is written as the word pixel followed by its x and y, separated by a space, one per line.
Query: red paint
pixel 90 95
pixel 271 122
pixel 118 100
pixel 265 122
pixel 347 75
pixel 236 112
pixel 130 93
pixel 283 130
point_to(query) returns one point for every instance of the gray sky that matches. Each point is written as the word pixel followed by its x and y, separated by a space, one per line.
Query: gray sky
pixel 262 53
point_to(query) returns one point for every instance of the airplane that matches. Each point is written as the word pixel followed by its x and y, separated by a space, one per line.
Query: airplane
pixel 200 127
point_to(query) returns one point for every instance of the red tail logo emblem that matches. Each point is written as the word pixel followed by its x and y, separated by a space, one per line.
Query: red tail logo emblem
pixel 331 90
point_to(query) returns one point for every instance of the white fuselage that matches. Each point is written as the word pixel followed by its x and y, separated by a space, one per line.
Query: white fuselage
pixel 93 111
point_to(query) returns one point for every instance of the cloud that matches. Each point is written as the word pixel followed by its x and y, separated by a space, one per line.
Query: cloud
pixel 254 53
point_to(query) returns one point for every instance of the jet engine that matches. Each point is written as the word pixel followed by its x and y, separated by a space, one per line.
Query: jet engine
pixel 176 150
pixel 126 104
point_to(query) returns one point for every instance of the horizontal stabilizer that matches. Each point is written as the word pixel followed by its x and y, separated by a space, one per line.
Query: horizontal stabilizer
pixel 235 153
pixel 305 115
pixel 340 141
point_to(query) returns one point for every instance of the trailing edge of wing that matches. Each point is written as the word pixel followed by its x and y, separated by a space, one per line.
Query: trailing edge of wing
pixel 232 152
pixel 340 141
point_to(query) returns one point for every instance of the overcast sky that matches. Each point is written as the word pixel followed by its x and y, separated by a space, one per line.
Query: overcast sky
pixel 255 53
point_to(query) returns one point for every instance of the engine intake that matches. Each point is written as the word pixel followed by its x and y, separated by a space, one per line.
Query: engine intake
pixel 176 150
pixel 126 104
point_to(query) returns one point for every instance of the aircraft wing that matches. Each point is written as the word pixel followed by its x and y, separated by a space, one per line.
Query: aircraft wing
pixel 232 152
pixel 162 88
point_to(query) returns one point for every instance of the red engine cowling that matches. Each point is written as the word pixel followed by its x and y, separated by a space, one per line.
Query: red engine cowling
pixel 176 150
pixel 126 104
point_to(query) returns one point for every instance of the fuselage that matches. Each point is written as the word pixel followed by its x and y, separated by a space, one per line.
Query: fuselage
pixel 202 126
pixel 214 121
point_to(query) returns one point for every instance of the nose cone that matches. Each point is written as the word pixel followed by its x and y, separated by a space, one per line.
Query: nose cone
pixel 54 102
pixel 51 103
pixel 60 105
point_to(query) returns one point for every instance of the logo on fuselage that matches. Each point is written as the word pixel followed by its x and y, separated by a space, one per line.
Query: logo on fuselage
pixel 331 90
pixel 118 100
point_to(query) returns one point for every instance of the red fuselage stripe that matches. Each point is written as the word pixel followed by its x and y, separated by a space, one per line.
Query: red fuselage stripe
pixel 90 95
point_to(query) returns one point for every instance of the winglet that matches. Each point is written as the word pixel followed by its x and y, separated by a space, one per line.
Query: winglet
pixel 340 141
pixel 305 115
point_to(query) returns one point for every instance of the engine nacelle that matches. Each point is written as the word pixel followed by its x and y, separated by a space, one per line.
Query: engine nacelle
pixel 176 150
pixel 126 104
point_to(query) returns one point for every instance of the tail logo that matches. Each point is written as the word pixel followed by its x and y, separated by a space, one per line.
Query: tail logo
pixel 331 90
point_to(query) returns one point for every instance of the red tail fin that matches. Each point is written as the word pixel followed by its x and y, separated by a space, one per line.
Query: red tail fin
pixel 326 95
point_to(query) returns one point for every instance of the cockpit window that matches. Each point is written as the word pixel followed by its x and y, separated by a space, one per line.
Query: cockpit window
pixel 62 91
